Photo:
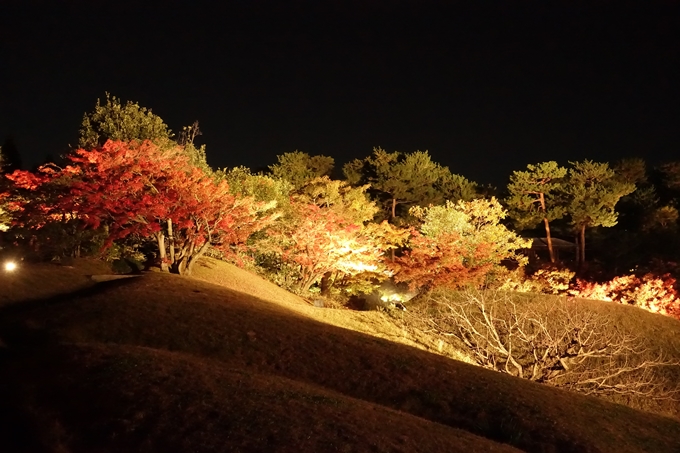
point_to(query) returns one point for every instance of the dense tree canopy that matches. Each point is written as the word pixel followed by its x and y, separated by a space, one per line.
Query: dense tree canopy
pixel 593 190
pixel 145 190
pixel 133 180
pixel 329 234
pixel 534 197
pixel 300 168
pixel 457 244
pixel 131 122
pixel 399 181
pixel 121 122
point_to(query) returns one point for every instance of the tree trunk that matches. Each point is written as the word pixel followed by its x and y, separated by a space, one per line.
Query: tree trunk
pixel 549 239
pixel 160 237
pixel 171 242
pixel 307 281
pixel 547 229
pixel 193 258
pixel 326 284
pixel 394 208
pixel 582 245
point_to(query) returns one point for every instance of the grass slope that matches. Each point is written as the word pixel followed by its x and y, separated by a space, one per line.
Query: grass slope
pixel 162 362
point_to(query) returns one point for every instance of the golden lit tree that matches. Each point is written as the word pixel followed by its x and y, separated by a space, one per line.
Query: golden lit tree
pixel 329 235
pixel 457 244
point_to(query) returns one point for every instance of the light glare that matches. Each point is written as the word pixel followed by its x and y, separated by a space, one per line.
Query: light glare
pixel 10 266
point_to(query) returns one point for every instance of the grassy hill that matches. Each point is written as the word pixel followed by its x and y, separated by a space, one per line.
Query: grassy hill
pixel 229 362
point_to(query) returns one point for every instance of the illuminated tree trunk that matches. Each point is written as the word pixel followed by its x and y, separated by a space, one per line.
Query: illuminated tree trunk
pixel 307 282
pixel 171 242
pixel 192 260
pixel 547 228
pixel 394 214
pixel 326 283
pixel 160 237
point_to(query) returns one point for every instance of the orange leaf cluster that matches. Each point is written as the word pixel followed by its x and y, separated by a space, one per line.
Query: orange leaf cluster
pixel 324 241
pixel 652 293
pixel 442 261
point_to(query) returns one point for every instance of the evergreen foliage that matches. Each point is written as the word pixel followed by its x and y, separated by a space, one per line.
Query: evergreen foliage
pixel 121 122
pixel 534 197
pixel 399 181
pixel 593 190
pixel 457 244
pixel 131 122
pixel 300 168
pixel 10 159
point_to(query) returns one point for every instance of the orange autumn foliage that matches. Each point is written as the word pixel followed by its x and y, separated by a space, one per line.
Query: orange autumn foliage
pixel 650 292
pixel 442 261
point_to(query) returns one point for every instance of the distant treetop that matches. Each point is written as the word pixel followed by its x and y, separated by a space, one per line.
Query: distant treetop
pixel 118 122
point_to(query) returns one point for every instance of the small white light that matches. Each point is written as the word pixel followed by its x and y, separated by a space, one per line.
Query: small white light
pixel 10 266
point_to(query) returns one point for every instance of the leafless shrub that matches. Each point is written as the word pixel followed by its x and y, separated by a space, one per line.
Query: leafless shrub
pixel 561 344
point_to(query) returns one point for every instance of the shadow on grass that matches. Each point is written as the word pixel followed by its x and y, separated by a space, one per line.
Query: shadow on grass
pixel 21 343
pixel 23 306
pixel 14 335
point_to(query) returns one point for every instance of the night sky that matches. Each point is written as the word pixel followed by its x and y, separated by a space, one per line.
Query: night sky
pixel 485 89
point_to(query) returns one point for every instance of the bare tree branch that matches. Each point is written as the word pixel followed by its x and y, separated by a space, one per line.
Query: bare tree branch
pixel 561 344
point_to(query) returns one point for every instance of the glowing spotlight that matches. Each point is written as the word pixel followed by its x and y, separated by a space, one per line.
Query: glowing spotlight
pixel 10 266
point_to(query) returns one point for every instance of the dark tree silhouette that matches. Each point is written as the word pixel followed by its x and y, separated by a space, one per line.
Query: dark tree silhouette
pixel 11 159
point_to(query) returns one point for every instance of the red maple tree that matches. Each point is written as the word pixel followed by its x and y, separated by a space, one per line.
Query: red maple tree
pixel 441 261
pixel 142 189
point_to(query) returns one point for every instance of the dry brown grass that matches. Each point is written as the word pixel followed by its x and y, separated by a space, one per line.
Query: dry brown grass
pixel 193 404
pixel 141 364
pixel 41 280
pixel 375 323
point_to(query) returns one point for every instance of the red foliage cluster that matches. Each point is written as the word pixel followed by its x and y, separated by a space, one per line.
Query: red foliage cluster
pixel 443 261
pixel 140 189
pixel 650 292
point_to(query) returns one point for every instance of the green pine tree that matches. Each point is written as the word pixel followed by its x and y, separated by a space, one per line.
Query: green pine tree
pixel 593 189
pixel 400 180
pixel 533 197
pixel 300 168
pixel 114 120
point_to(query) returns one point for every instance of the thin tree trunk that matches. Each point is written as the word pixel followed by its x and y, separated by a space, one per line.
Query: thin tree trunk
pixel 307 281
pixel 186 253
pixel 394 214
pixel 582 243
pixel 193 258
pixel 549 239
pixel 171 242
pixel 160 237
pixel 547 229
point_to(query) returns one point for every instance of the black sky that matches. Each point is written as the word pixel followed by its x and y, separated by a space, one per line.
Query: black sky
pixel 485 88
